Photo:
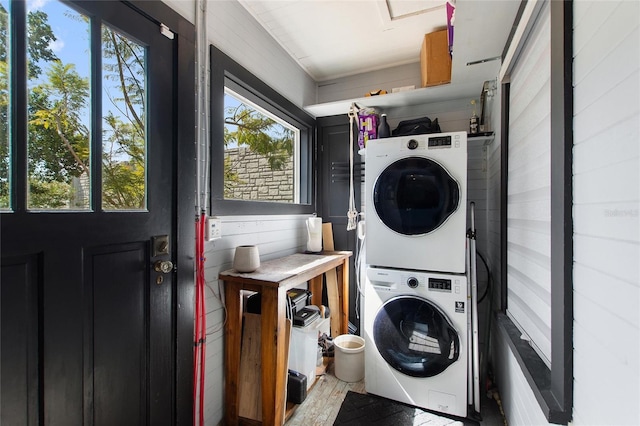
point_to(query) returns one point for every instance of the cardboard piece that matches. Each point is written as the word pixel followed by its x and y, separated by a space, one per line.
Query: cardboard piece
pixel 331 278
pixel 435 60
pixel 250 383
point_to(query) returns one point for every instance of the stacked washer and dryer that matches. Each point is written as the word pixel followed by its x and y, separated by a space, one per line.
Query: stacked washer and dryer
pixel 416 304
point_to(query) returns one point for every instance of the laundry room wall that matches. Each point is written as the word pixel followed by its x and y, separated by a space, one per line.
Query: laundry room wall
pixel 234 31
pixel 606 238
pixel 606 212
pixel 606 194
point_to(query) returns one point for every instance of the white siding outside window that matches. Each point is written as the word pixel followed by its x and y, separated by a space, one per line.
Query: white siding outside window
pixel 529 191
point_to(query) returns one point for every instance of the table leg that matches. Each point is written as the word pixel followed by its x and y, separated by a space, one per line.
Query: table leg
pixel 233 341
pixel 274 370
pixel 315 286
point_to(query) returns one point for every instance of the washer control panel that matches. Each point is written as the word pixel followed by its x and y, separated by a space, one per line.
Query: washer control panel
pixel 440 284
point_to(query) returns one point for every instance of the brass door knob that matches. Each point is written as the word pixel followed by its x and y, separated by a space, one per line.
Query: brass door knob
pixel 164 266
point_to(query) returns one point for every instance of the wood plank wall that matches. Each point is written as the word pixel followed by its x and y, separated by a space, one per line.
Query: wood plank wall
pixel 606 212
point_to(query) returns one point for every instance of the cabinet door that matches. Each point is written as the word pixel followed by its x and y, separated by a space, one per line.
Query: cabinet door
pixel 333 134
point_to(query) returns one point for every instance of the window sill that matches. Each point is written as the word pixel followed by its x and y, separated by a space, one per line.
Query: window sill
pixel 537 373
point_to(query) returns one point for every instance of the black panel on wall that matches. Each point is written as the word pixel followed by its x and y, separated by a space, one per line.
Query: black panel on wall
pixel 333 137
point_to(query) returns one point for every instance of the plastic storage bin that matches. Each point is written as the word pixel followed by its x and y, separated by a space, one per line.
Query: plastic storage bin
pixel 303 349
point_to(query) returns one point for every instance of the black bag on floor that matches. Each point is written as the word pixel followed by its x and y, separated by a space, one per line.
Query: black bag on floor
pixel 417 126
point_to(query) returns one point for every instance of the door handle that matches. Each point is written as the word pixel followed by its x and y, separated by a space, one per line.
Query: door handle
pixel 164 266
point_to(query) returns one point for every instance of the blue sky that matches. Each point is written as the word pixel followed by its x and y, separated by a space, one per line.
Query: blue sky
pixel 72 44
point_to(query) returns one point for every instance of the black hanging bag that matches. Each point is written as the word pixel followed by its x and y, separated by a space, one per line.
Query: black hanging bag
pixel 417 126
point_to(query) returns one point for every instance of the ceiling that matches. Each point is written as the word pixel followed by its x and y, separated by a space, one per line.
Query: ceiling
pixel 337 38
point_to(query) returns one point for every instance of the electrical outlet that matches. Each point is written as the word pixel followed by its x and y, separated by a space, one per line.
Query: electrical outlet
pixel 214 228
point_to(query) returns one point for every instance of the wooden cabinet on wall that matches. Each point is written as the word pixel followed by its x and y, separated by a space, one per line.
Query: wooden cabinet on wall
pixel 333 137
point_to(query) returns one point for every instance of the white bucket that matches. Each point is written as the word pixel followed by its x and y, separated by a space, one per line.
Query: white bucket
pixel 349 357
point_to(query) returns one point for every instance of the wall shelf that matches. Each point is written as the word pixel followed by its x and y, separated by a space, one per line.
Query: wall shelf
pixel 444 92
pixel 484 138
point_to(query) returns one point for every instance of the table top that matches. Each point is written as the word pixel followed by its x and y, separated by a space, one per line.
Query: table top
pixel 289 270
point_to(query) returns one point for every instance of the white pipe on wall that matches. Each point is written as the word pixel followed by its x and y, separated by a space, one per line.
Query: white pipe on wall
pixel 202 108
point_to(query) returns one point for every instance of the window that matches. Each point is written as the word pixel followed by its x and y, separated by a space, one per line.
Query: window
pixel 261 145
pixel 536 204
pixel 261 161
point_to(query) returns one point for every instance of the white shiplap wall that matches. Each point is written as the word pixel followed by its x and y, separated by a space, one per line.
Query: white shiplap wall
pixel 606 209
pixel 606 212
pixel 275 236
pixel 234 31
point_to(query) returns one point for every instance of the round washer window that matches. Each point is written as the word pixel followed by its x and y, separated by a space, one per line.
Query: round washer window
pixel 415 196
pixel 415 337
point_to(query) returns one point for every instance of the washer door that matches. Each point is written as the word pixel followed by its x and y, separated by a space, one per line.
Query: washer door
pixel 415 337
pixel 415 196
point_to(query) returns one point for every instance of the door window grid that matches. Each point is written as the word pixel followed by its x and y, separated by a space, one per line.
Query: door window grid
pixel 59 173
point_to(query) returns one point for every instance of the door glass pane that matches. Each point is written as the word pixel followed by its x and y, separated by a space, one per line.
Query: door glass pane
pixel 5 155
pixel 415 196
pixel 58 107
pixel 124 145
pixel 260 160
pixel 415 337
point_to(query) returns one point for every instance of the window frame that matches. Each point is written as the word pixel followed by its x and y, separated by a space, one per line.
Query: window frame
pixel 552 387
pixel 224 68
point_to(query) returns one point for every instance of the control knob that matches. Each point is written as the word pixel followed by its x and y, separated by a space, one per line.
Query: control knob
pixel 412 282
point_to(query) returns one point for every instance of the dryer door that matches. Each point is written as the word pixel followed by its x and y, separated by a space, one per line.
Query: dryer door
pixel 415 337
pixel 415 196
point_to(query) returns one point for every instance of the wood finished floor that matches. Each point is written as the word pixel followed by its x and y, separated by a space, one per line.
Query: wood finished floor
pixel 323 401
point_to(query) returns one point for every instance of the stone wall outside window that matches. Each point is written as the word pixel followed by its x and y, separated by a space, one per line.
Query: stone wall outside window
pixel 256 179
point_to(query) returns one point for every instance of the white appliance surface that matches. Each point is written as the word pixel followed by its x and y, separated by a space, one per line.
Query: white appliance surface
pixel 441 248
pixel 438 295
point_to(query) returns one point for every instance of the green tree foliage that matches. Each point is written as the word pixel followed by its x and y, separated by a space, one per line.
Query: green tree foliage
pixel 123 148
pixel 58 141
pixel 262 134
pixel 41 36
pixel 63 99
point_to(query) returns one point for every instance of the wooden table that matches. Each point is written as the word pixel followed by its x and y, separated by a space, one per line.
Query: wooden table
pixel 272 280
